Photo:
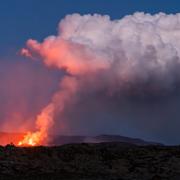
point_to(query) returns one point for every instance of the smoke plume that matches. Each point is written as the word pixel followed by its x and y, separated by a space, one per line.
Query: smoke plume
pixel 129 66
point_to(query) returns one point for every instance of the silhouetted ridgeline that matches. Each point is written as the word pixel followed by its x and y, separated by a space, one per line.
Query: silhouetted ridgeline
pixel 103 161
pixel 7 138
pixel 59 140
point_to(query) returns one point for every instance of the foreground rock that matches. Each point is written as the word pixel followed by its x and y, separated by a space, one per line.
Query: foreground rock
pixel 104 161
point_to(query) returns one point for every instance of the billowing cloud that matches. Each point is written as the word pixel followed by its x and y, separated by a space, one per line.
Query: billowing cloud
pixel 133 59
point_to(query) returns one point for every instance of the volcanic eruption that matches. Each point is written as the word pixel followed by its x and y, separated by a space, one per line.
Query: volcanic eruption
pixel 133 56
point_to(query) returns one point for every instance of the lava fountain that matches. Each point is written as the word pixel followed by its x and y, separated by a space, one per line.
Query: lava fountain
pixel 43 123
pixel 30 139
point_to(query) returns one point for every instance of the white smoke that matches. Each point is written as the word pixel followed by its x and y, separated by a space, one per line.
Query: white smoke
pixel 139 53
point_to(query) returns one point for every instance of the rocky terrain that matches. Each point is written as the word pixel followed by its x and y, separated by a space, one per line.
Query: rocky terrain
pixel 85 161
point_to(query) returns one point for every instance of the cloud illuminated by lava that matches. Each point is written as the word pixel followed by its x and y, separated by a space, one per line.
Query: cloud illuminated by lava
pixel 139 52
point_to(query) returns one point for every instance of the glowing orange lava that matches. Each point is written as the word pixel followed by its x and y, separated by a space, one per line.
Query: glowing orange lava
pixel 43 123
pixel 31 139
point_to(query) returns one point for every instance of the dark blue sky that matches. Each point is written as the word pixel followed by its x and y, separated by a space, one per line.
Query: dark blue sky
pixel 21 20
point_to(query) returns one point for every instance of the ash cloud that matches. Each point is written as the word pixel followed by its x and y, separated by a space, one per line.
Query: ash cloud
pixel 121 76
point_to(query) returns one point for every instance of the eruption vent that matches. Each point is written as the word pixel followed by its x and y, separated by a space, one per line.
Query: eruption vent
pixel 136 54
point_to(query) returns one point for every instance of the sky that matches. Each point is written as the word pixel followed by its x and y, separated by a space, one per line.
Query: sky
pixel 37 19
pixel 27 86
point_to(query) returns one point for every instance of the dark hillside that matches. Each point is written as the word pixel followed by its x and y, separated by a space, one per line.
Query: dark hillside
pixel 104 161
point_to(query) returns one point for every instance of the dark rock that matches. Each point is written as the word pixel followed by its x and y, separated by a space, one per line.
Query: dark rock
pixel 103 161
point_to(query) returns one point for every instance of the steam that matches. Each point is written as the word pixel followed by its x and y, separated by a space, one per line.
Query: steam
pixel 138 55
